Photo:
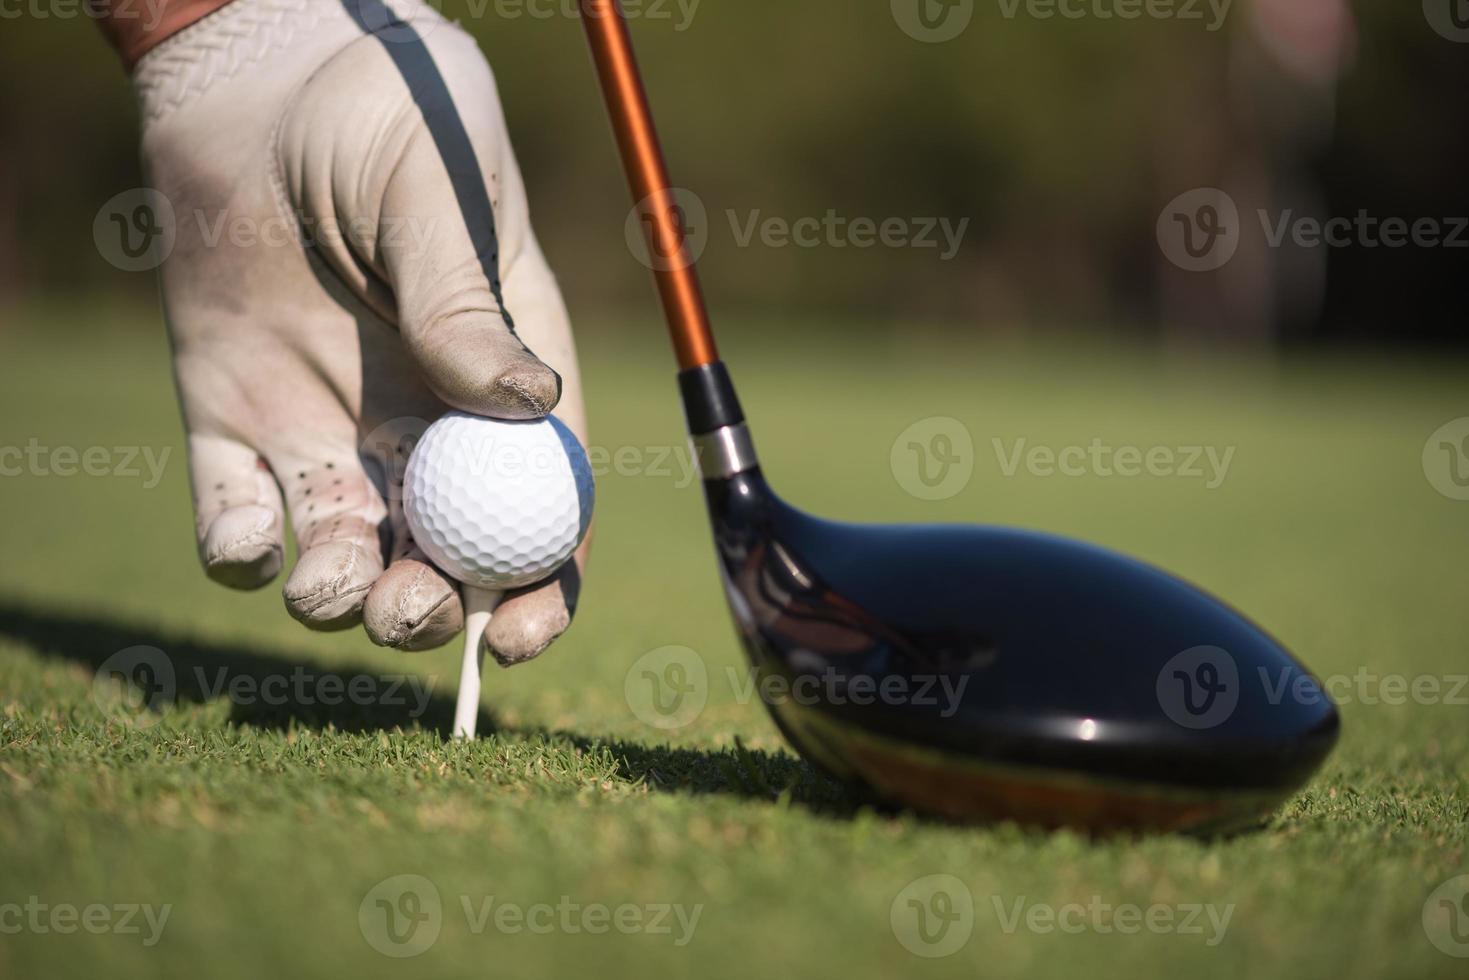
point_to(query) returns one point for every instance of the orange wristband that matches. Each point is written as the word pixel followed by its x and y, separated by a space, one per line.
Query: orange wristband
pixel 135 27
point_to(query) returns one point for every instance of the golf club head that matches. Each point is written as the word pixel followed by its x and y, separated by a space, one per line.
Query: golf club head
pixel 982 673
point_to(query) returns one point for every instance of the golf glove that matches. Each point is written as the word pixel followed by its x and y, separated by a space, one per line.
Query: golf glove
pixel 351 240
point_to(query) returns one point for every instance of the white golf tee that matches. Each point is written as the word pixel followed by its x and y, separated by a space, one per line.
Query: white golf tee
pixel 479 606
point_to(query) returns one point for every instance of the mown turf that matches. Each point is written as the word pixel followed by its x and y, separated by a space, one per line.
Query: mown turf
pixel 264 823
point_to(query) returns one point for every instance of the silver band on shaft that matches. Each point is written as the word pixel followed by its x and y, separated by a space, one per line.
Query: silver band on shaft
pixel 724 452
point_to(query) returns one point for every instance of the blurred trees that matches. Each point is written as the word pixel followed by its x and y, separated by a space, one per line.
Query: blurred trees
pixel 1059 140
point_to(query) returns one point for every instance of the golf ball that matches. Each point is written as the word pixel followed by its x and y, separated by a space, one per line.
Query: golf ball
pixel 498 504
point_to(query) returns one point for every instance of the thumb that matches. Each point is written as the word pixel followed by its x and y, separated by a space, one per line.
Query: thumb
pixel 403 142
pixel 446 275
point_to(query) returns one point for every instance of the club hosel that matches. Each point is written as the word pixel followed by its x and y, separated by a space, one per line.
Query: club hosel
pixel 718 435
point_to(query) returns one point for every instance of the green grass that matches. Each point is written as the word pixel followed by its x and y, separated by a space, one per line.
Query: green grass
pixel 265 826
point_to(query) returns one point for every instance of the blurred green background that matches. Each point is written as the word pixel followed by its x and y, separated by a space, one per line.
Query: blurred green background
pixel 1059 141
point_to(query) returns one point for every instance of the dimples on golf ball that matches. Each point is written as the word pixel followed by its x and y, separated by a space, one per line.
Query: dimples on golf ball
pixel 498 504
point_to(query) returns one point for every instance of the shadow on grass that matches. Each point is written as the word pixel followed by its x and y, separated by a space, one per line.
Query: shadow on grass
pixel 751 773
pixel 265 692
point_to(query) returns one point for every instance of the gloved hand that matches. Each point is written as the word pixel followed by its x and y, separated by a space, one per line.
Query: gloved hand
pixel 352 240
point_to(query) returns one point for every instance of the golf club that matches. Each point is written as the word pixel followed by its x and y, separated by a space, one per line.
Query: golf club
pixel 970 672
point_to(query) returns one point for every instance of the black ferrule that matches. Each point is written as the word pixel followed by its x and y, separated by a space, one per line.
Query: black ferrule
pixel 709 398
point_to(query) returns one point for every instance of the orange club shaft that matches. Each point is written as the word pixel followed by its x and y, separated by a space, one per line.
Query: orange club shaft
pixel 647 174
